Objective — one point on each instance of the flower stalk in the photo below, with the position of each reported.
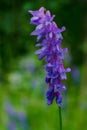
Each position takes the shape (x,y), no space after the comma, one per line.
(60,118)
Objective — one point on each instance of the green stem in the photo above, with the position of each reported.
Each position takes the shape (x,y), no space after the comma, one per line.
(60,118)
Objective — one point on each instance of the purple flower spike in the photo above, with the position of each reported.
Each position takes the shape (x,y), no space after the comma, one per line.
(50,38)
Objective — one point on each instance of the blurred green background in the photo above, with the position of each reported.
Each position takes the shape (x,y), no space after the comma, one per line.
(22,79)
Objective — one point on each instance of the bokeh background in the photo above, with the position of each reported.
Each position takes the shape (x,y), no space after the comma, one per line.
(22,86)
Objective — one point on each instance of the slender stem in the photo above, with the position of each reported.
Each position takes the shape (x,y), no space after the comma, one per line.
(60,118)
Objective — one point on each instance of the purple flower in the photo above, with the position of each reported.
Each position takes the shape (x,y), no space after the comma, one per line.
(16,117)
(39,17)
(75,73)
(11,126)
(50,38)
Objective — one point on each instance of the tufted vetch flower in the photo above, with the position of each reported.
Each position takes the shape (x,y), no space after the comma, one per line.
(49,38)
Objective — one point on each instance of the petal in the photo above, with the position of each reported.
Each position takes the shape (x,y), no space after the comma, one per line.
(47,79)
(38,51)
(68,70)
(59,36)
(37,45)
(40,26)
(49,102)
(63,29)
(63,75)
(42,55)
(49,92)
(48,13)
(65,50)
(36,32)
(34,13)
(59,100)
(50,35)
(34,21)
(63,88)
(42,9)
(34,18)
(39,38)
